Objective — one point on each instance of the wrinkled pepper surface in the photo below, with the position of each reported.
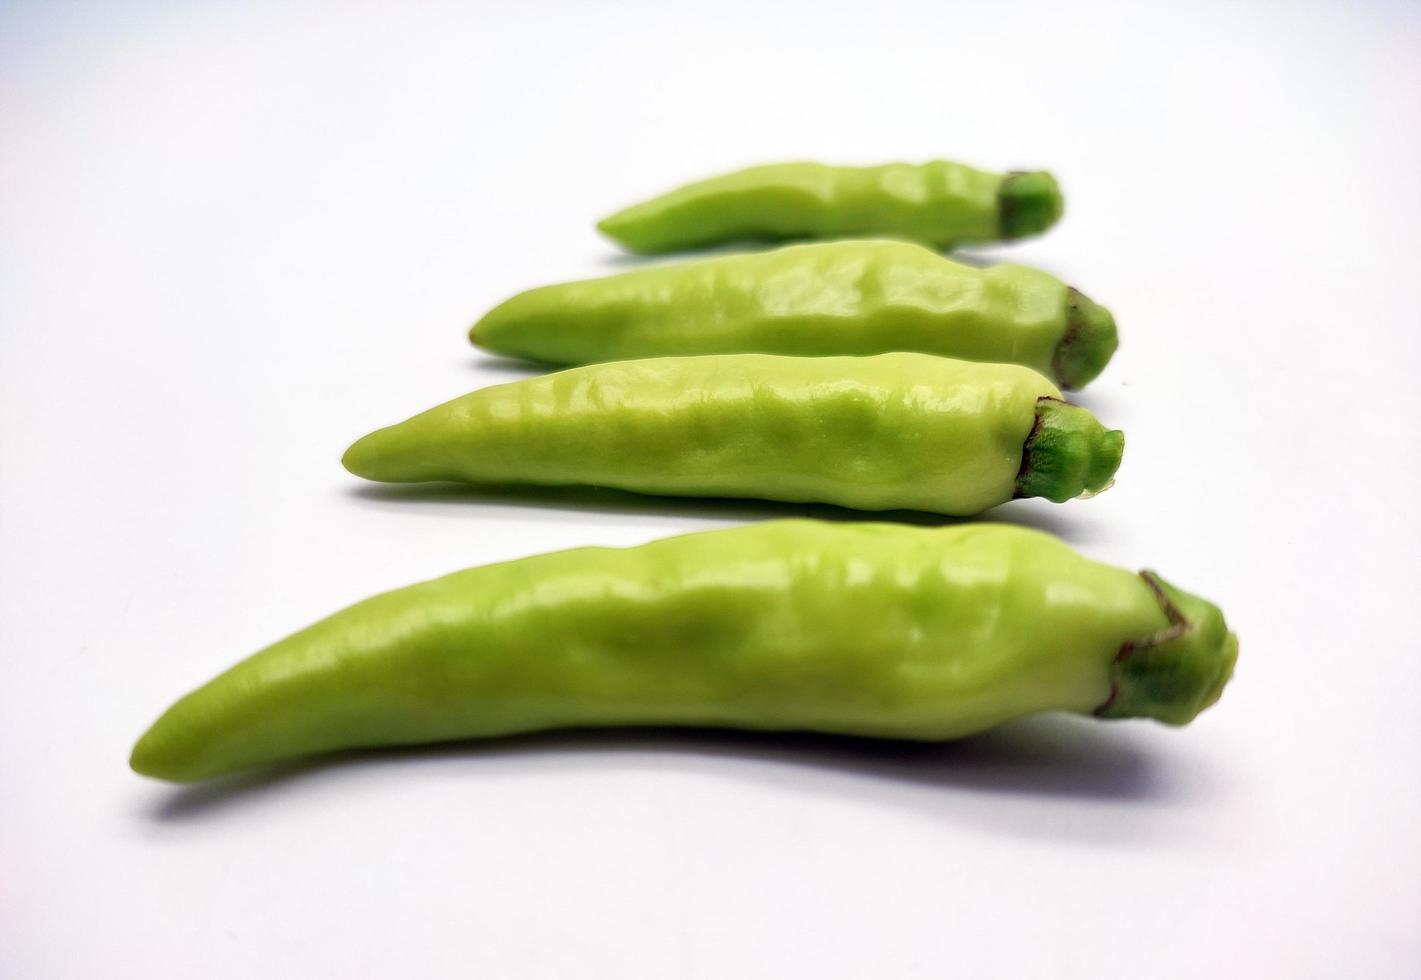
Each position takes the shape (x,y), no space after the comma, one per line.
(849,298)
(893,431)
(938,203)
(865,629)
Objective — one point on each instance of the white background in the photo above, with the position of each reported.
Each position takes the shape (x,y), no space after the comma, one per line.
(235,237)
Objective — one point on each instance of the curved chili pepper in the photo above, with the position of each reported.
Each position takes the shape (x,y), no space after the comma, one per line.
(829,298)
(875,433)
(865,629)
(940,203)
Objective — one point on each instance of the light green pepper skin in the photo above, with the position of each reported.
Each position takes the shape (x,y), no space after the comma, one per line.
(847,298)
(864,629)
(874,433)
(939,203)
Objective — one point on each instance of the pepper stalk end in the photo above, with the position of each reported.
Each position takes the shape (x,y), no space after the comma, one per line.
(1028,202)
(1068,453)
(1177,673)
(1088,344)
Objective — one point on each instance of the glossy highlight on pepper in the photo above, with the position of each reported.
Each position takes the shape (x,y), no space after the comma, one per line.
(895,431)
(939,203)
(830,298)
(864,629)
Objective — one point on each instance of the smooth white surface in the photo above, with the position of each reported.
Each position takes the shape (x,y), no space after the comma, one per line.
(235,237)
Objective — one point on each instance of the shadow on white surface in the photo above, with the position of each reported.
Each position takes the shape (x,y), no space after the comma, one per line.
(626,262)
(1052,776)
(451,497)
(619,261)
(1107,402)
(513,367)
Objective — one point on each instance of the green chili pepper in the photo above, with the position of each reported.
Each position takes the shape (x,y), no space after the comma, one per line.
(943,204)
(865,629)
(831,298)
(875,433)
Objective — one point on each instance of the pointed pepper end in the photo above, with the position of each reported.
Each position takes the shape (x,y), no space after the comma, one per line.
(152,756)
(625,228)
(363,457)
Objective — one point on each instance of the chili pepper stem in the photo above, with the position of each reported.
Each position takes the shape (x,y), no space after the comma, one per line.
(1029,203)
(1178,672)
(1088,344)
(1068,453)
